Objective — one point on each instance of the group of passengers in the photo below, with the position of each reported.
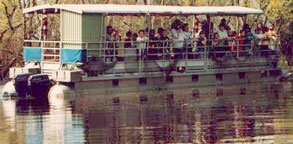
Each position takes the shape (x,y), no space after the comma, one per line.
(226,41)
(210,43)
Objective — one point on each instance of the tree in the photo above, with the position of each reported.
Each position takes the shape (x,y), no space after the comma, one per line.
(10,32)
(280,13)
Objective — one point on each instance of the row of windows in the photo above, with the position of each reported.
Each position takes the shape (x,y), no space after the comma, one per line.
(170,96)
(195,78)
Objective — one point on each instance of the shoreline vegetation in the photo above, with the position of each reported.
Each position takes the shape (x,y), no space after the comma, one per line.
(12,24)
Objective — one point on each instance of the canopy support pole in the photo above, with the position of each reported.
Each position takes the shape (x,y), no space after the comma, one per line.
(209,42)
(193,26)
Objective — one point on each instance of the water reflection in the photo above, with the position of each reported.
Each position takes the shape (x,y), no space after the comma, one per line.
(254,113)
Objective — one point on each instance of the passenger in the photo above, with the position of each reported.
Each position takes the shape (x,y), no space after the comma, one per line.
(216,38)
(246,28)
(215,44)
(117,51)
(178,41)
(240,40)
(247,39)
(207,28)
(110,44)
(152,35)
(109,31)
(248,42)
(232,36)
(153,45)
(163,41)
(273,40)
(142,42)
(265,41)
(201,44)
(257,32)
(135,43)
(222,45)
(224,22)
(259,28)
(196,27)
(223,35)
(128,40)
(116,35)
(130,53)
(187,40)
(146,32)
(229,42)
(134,37)
(178,38)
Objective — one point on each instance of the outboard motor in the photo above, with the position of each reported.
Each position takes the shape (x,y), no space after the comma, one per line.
(20,83)
(39,85)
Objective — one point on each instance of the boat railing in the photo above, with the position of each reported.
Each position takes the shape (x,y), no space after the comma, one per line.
(233,53)
(156,56)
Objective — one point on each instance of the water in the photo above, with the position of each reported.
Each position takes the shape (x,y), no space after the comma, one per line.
(254,113)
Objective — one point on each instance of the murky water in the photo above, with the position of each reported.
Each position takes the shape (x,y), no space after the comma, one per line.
(254,113)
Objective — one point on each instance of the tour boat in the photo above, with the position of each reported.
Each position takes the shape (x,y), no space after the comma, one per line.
(80,61)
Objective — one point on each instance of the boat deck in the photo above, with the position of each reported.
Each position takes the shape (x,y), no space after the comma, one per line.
(158,68)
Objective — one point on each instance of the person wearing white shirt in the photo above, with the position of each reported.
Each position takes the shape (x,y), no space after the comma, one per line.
(223,32)
(223,36)
(141,41)
(178,42)
(178,38)
(188,40)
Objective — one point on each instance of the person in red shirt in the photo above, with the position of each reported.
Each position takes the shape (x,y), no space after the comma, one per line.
(240,40)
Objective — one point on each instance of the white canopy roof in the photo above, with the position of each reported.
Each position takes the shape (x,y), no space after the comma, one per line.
(141,9)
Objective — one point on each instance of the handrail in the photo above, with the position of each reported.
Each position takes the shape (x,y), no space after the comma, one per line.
(168,42)
(163,52)
(54,41)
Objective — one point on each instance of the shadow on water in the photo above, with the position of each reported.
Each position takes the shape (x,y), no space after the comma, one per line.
(39,92)
(32,105)
(247,115)
(224,114)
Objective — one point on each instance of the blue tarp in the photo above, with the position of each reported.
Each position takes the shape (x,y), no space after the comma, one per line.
(32,54)
(73,55)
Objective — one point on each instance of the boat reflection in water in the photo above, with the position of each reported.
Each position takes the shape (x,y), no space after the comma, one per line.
(254,113)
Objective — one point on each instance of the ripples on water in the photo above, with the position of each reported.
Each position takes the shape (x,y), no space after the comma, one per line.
(254,113)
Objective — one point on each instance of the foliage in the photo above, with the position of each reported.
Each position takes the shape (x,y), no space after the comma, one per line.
(10,30)
(280,9)
(280,13)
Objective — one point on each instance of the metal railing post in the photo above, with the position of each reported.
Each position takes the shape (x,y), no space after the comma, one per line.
(206,58)
(60,47)
(186,55)
(237,53)
(87,50)
(140,60)
(163,52)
